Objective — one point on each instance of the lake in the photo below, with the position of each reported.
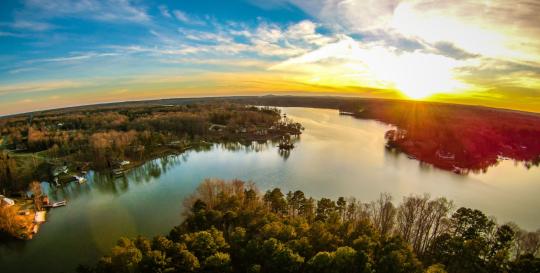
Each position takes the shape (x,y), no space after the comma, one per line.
(335,156)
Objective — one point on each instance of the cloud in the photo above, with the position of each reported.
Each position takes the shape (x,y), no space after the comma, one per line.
(164,11)
(32,25)
(38,86)
(188,19)
(11,34)
(500,29)
(450,50)
(35,14)
(265,40)
(349,62)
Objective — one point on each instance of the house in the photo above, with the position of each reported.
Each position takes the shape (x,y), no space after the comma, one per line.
(445,155)
(4,201)
(217,127)
(125,162)
(240,130)
(59,170)
(261,132)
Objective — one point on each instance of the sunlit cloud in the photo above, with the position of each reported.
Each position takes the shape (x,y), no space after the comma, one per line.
(465,51)
(352,63)
(37,87)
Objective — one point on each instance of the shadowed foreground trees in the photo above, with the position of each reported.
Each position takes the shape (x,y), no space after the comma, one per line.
(230,227)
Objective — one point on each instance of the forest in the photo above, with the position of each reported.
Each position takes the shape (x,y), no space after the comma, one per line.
(33,145)
(459,138)
(229,226)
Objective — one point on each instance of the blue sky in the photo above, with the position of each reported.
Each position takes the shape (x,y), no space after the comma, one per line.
(63,52)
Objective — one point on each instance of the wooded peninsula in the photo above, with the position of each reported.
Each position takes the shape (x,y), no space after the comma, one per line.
(60,146)
(230,227)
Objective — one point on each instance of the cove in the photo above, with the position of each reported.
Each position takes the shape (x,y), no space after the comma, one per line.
(335,156)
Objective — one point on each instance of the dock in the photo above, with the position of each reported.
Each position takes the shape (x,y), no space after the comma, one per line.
(40,217)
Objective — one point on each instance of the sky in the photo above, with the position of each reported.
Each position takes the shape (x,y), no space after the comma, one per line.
(65,53)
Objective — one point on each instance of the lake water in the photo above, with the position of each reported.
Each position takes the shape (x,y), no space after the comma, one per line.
(335,156)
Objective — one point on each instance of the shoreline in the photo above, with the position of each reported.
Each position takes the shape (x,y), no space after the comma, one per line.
(32,225)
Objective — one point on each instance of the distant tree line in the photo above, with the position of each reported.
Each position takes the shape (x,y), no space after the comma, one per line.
(231,227)
(102,137)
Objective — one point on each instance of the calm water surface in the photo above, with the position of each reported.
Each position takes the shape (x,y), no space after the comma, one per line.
(336,156)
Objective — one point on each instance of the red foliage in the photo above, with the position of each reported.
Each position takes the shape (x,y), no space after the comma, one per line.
(457,137)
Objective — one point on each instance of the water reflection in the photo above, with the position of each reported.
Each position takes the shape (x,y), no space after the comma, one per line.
(107,183)
(336,156)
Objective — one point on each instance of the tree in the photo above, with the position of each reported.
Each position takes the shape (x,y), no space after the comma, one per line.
(8,220)
(184,261)
(345,260)
(322,262)
(205,243)
(435,268)
(8,170)
(325,207)
(420,220)
(279,258)
(242,232)
(467,246)
(125,256)
(394,257)
(276,201)
(218,262)
(35,189)
(154,261)
(341,207)
(525,264)
(383,213)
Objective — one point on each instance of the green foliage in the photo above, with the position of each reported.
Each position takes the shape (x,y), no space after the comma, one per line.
(101,137)
(231,228)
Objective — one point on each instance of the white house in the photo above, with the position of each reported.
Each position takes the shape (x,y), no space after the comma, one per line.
(6,201)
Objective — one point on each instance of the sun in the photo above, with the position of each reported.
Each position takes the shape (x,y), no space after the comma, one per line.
(418,90)
(415,92)
(421,78)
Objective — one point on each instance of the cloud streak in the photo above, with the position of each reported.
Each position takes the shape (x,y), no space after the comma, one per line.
(487,50)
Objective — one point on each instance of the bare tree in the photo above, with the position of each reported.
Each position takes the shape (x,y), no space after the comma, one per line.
(35,189)
(526,242)
(383,213)
(420,220)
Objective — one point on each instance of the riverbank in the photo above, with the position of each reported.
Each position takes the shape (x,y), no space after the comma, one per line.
(117,152)
(60,144)
(452,137)
(24,220)
(324,163)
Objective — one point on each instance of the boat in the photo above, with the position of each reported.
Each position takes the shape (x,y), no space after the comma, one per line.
(35,229)
(80,179)
(56,204)
(346,113)
(59,204)
(118,172)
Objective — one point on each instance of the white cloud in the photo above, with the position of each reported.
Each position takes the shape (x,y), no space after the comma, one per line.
(268,40)
(348,62)
(188,19)
(164,11)
(31,25)
(35,14)
(38,86)
(501,29)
